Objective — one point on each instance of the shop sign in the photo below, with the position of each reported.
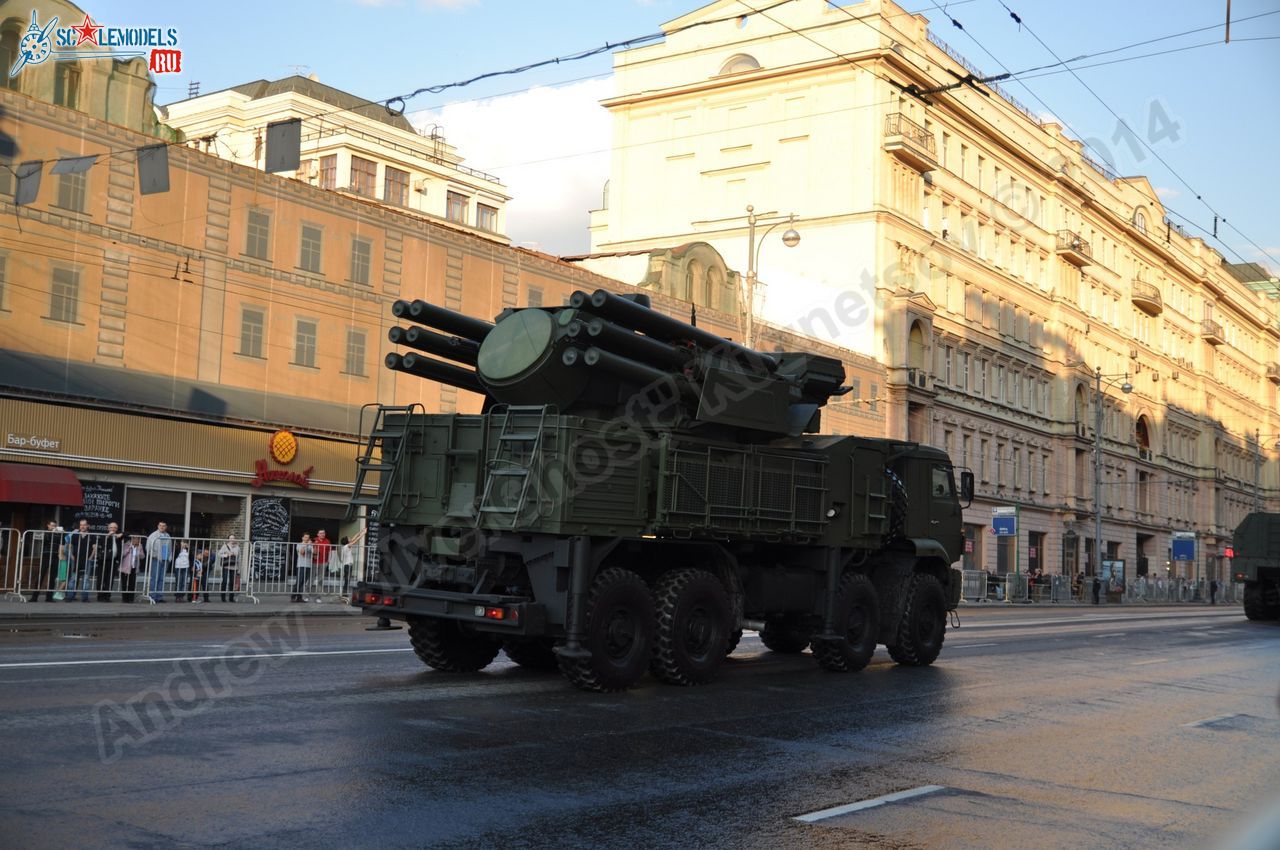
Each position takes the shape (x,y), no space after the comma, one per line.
(283,448)
(1004,521)
(33,441)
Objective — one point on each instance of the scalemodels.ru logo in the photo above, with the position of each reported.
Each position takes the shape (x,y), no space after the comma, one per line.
(50,41)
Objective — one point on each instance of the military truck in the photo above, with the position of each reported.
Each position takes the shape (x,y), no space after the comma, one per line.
(1256,563)
(635,493)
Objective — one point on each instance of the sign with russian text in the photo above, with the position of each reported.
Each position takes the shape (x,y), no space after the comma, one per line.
(1004,521)
(1184,546)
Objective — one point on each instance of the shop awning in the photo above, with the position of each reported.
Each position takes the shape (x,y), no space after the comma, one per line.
(39,485)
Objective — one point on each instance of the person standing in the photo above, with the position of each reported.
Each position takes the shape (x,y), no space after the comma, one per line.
(81,549)
(1213,591)
(345,559)
(323,554)
(229,562)
(305,552)
(182,572)
(133,560)
(159,553)
(47,562)
(110,551)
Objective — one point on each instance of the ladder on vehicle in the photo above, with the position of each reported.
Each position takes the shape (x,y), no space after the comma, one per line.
(389,438)
(505,472)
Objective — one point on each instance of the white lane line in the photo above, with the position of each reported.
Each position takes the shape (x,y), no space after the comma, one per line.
(1152,661)
(1110,635)
(1208,720)
(971,645)
(292,654)
(61,679)
(836,811)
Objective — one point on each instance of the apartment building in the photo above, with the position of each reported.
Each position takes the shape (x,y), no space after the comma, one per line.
(349,145)
(1012,288)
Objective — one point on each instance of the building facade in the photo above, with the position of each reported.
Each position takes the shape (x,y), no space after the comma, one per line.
(1011,287)
(349,145)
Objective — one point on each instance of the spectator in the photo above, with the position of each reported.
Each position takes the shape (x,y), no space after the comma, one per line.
(306,552)
(159,554)
(182,572)
(110,551)
(132,562)
(229,562)
(345,560)
(81,549)
(47,562)
(61,585)
(201,572)
(1213,591)
(1097,589)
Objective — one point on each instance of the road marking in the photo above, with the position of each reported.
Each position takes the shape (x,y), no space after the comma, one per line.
(60,679)
(1152,661)
(1198,723)
(1110,635)
(971,645)
(291,654)
(836,811)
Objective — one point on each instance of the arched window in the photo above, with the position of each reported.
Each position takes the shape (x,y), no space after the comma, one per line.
(715,283)
(915,347)
(1082,406)
(739,63)
(1140,220)
(66,84)
(1142,435)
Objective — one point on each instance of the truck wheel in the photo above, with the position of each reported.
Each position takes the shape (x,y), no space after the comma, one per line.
(536,654)
(857,622)
(449,646)
(1255,603)
(619,634)
(693,613)
(735,637)
(785,636)
(924,623)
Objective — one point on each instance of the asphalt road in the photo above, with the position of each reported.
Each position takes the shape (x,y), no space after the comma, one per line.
(1077,728)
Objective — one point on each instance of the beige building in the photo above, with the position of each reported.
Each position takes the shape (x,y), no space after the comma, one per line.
(349,145)
(977,254)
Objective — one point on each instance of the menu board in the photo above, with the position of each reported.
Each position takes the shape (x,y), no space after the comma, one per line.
(269,532)
(103,504)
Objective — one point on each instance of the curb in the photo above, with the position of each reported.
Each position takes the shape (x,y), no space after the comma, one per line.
(32,611)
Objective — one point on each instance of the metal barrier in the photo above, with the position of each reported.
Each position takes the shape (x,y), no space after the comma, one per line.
(973,585)
(11,564)
(304,571)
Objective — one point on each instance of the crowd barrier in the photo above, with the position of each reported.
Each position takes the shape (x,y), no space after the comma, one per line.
(978,586)
(58,566)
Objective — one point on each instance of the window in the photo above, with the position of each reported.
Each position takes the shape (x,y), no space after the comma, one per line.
(361,251)
(252,325)
(355,352)
(455,208)
(304,343)
(64,300)
(738,64)
(535,296)
(9,55)
(309,259)
(66,84)
(395,186)
(941,481)
(364,176)
(71,191)
(329,171)
(486,217)
(257,238)
(875,397)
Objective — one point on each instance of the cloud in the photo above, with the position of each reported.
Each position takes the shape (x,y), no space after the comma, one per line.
(550,147)
(1167,194)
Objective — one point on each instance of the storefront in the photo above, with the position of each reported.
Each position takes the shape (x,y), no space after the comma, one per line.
(205,480)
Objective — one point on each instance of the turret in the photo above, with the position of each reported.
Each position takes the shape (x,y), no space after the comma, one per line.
(613,356)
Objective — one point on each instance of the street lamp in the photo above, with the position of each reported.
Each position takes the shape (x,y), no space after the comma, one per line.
(790,238)
(1125,388)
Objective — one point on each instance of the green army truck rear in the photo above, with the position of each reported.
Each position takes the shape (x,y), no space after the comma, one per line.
(1256,564)
(636,493)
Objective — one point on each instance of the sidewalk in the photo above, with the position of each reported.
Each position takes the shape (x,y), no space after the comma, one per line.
(330,607)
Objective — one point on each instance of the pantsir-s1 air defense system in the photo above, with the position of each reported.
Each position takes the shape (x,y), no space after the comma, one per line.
(1256,563)
(635,493)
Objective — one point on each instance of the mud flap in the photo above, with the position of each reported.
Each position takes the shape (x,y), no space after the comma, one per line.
(953,588)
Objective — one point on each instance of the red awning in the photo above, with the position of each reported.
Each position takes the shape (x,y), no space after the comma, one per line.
(39,485)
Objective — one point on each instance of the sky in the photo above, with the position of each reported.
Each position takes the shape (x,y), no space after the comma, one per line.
(1209,115)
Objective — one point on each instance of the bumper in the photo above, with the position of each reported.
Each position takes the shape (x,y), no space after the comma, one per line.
(511,615)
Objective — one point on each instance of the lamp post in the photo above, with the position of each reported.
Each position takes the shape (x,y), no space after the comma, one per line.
(790,238)
(1125,388)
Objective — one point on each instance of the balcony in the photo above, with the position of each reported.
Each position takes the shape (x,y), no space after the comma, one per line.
(910,142)
(919,379)
(1273,373)
(1146,297)
(1211,332)
(1073,248)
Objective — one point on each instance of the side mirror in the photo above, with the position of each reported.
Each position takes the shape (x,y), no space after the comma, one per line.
(966,488)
